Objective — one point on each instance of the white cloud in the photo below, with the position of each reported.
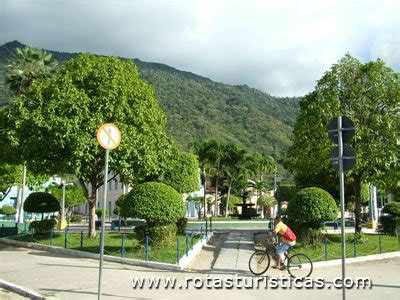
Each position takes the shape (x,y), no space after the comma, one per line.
(280,47)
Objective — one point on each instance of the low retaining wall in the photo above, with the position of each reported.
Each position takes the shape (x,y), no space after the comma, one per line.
(183,262)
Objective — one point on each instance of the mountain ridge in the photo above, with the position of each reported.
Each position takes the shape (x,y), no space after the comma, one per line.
(199,108)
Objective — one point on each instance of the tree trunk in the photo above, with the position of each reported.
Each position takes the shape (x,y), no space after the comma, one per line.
(92,218)
(357,202)
(227,201)
(216,210)
(205,194)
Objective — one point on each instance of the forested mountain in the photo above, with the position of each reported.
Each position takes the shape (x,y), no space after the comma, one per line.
(199,108)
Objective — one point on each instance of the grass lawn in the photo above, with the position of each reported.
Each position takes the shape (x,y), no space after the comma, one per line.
(113,242)
(370,246)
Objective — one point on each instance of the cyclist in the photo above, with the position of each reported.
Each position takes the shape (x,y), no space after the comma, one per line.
(288,240)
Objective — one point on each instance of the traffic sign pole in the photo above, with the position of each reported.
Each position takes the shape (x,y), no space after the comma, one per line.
(341,182)
(102,223)
(109,137)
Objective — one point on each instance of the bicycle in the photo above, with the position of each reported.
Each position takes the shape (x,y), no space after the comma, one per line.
(298,265)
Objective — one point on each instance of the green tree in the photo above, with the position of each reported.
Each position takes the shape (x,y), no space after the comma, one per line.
(157,203)
(29,65)
(230,205)
(55,123)
(183,173)
(308,210)
(369,94)
(7,210)
(74,196)
(236,171)
(263,164)
(202,150)
(266,202)
(40,202)
(11,175)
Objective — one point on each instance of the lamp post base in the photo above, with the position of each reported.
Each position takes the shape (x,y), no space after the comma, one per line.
(372,224)
(62,224)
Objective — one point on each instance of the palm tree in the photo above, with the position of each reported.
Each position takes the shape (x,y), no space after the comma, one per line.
(30,64)
(263,164)
(236,169)
(219,159)
(266,202)
(201,149)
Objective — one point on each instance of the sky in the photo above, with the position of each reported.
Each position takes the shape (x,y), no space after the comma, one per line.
(280,47)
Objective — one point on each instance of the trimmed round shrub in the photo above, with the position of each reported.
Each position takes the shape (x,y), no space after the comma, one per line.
(181,225)
(312,206)
(391,221)
(392,208)
(41,203)
(43,226)
(157,203)
(76,218)
(159,235)
(308,210)
(8,210)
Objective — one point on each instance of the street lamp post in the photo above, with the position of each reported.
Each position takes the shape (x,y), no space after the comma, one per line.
(63,223)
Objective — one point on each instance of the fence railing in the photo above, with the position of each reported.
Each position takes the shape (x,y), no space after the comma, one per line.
(354,246)
(121,244)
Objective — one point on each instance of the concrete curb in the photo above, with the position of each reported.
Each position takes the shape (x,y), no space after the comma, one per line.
(353,260)
(183,262)
(22,290)
(186,260)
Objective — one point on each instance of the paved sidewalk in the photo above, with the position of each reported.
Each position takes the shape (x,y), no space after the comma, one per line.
(76,278)
(235,253)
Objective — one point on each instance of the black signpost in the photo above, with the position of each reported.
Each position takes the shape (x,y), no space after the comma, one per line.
(343,157)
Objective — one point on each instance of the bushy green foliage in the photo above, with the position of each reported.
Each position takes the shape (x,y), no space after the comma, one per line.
(8,210)
(159,235)
(43,226)
(286,192)
(183,173)
(117,210)
(181,225)
(99,212)
(392,208)
(338,93)
(157,203)
(41,202)
(391,221)
(266,200)
(311,207)
(232,201)
(90,90)
(76,218)
(391,225)
(74,195)
(119,205)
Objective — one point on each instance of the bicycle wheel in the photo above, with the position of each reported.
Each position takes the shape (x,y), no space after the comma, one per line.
(300,266)
(259,262)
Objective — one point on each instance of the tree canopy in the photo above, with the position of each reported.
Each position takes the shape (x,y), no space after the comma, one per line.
(56,119)
(369,94)
(183,173)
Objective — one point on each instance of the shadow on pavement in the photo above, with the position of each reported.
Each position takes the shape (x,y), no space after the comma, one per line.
(91,293)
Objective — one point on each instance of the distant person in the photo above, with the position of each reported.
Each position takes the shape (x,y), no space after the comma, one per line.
(288,239)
